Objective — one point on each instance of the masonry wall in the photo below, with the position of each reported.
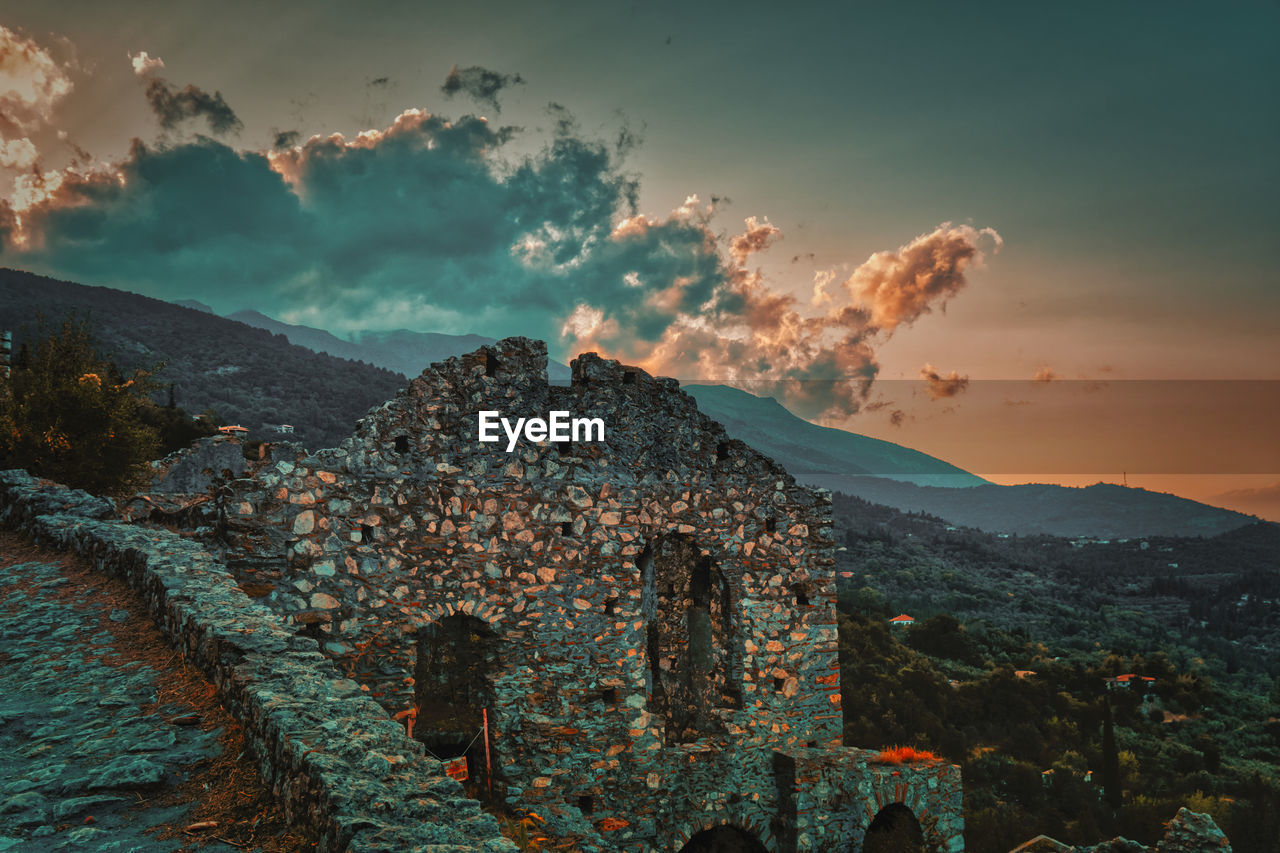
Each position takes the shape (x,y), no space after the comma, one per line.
(663,602)
(332,756)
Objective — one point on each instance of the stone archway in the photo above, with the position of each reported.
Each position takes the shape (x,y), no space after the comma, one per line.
(691,637)
(724,839)
(457,657)
(894,829)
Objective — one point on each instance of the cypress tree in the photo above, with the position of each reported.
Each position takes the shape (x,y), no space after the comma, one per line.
(1110,758)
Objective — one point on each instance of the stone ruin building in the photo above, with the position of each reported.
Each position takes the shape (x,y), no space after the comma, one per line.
(648,622)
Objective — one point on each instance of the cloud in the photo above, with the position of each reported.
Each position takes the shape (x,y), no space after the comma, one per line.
(430,223)
(282,139)
(481,84)
(729,325)
(896,417)
(940,386)
(31,85)
(1045,374)
(18,154)
(756,238)
(144,65)
(174,106)
(901,286)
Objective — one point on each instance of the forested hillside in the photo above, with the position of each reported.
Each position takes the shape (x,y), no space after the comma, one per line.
(247,376)
(1004,672)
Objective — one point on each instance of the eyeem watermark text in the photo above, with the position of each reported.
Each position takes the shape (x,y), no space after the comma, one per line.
(557,426)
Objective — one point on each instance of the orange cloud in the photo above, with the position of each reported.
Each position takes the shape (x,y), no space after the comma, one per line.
(940,386)
(756,238)
(900,286)
(823,362)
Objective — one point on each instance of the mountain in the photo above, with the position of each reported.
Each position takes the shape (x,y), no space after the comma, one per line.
(247,375)
(889,474)
(821,456)
(404,351)
(1100,511)
(194,304)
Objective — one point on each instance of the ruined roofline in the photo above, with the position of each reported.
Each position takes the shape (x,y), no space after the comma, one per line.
(506,371)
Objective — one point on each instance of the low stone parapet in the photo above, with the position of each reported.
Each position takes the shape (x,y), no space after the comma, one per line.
(337,763)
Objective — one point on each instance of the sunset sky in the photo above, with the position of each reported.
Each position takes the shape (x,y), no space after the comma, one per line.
(1072,206)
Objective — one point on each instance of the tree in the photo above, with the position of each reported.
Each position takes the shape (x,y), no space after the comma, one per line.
(1110,758)
(70,415)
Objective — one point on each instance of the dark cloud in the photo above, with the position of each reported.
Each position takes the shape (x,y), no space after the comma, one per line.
(481,84)
(174,106)
(282,139)
(940,386)
(378,82)
(897,416)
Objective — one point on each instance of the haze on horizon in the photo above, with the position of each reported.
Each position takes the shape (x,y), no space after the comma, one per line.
(938,196)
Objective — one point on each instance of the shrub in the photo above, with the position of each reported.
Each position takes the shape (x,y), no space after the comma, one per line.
(904,755)
(68,414)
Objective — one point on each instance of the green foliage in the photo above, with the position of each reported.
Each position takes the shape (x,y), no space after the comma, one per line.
(70,415)
(1037,705)
(249,376)
(943,636)
(1110,759)
(175,428)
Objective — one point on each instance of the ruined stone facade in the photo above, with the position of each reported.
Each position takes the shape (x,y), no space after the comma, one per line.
(647,622)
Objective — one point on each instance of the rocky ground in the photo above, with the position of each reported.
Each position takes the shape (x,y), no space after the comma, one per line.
(108,740)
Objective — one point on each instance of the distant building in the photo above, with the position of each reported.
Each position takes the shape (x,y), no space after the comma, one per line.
(233,429)
(1124,682)
(902,621)
(284,428)
(1023,673)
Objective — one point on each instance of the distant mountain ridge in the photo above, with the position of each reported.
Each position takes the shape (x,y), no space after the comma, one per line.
(404,351)
(892,475)
(1100,511)
(812,453)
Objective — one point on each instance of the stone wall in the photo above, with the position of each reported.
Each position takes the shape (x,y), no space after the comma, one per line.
(332,756)
(652,617)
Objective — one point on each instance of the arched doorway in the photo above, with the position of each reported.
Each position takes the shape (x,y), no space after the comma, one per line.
(453,689)
(724,839)
(690,638)
(894,829)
